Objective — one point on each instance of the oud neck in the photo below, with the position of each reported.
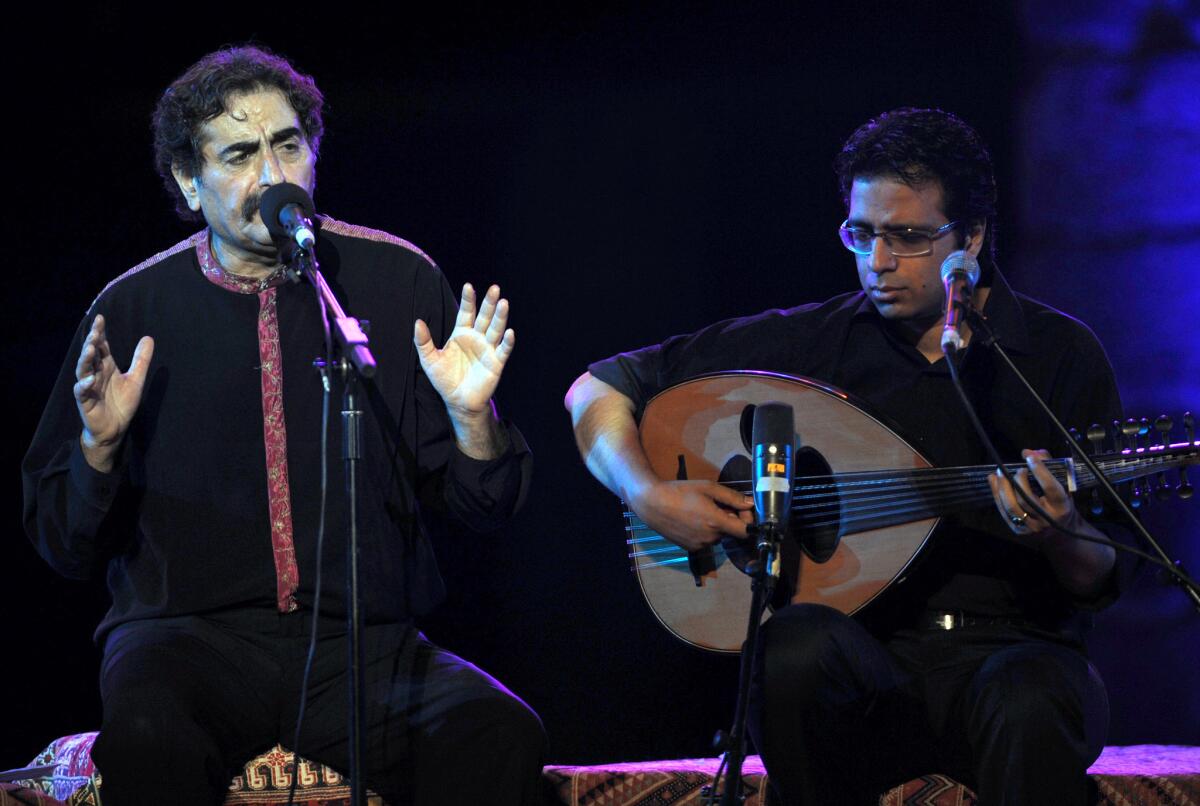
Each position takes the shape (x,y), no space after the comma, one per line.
(862,501)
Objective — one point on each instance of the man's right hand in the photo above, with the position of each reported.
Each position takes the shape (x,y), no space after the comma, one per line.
(106,398)
(694,514)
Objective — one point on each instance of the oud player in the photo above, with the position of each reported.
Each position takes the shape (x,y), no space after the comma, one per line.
(975,666)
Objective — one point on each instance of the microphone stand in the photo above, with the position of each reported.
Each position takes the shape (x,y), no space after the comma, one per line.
(764,572)
(354,362)
(980,324)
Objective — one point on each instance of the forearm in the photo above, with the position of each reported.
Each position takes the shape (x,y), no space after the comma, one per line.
(66,503)
(1083,567)
(607,437)
(479,435)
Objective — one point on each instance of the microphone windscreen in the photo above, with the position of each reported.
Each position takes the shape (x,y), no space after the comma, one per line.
(960,261)
(774,423)
(275,198)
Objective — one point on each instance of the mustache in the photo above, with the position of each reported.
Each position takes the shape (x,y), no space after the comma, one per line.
(251,205)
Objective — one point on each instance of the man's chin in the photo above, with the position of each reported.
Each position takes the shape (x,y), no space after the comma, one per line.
(261,239)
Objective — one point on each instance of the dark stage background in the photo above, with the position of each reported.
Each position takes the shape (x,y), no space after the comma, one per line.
(626,173)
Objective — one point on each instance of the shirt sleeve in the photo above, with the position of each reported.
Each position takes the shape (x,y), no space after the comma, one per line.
(775,340)
(481,493)
(1089,394)
(66,501)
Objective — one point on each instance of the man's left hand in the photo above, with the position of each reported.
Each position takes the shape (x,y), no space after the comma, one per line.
(1082,566)
(1055,500)
(467,369)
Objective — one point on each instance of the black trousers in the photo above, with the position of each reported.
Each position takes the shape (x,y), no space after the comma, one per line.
(189,700)
(839,717)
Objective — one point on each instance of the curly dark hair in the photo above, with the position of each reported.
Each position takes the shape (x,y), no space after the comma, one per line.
(923,146)
(200,94)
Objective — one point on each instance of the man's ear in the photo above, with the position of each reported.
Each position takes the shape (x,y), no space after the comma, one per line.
(975,232)
(188,186)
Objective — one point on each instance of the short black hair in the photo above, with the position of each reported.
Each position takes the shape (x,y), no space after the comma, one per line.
(201,94)
(922,146)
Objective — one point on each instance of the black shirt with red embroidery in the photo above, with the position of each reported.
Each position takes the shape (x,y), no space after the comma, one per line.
(184,523)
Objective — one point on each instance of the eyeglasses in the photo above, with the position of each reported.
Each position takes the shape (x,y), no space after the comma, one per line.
(905,242)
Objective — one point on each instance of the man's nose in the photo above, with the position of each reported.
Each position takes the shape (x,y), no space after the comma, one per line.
(881,256)
(270,173)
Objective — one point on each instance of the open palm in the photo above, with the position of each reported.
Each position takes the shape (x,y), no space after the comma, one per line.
(466,370)
(107,398)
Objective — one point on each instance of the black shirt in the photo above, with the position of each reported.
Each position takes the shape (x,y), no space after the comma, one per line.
(968,565)
(183,524)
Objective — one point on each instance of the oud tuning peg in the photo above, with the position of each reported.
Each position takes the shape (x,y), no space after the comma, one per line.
(1143,444)
(1095,435)
(1130,429)
(1162,424)
(1184,490)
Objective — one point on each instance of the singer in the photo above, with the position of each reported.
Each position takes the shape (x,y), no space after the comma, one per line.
(179,455)
(975,666)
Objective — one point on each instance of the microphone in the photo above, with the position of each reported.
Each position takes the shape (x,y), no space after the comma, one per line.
(960,273)
(287,211)
(773,439)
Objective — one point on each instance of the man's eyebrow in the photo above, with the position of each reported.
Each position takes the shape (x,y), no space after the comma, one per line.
(284,134)
(860,224)
(250,146)
(243,147)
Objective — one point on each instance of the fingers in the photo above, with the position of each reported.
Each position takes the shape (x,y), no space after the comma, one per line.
(1013,507)
(498,323)
(492,320)
(506,346)
(89,355)
(729,497)
(1015,516)
(84,391)
(140,365)
(466,307)
(487,309)
(423,340)
(1054,492)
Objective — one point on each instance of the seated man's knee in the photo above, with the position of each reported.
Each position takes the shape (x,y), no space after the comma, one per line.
(810,643)
(1038,692)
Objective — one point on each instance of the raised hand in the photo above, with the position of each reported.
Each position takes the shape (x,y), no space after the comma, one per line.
(107,398)
(466,370)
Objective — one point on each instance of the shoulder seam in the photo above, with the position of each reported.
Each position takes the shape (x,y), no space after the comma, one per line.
(366,233)
(189,242)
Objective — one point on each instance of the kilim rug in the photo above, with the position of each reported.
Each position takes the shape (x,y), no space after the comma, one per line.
(1142,775)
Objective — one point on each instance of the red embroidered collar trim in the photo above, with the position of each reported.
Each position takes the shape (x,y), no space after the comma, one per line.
(232,282)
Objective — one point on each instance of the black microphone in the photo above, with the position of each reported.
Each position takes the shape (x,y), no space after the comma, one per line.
(287,210)
(773,441)
(960,273)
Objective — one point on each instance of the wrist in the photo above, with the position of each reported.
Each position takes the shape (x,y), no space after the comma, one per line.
(100,456)
(478,434)
(639,489)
